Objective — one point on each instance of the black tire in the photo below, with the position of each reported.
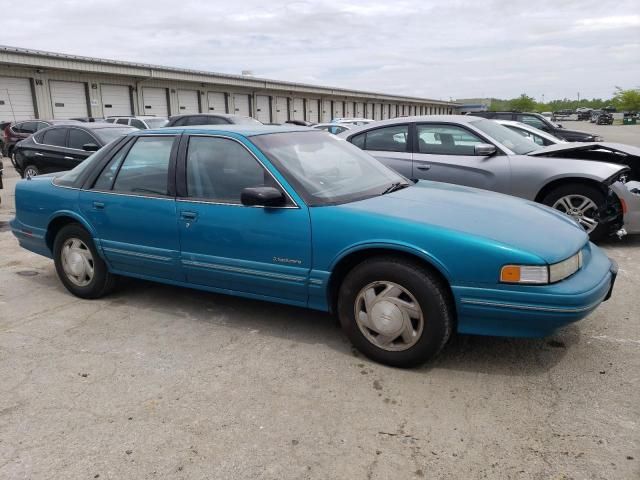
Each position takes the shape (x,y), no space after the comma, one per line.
(30,168)
(102,281)
(592,193)
(427,289)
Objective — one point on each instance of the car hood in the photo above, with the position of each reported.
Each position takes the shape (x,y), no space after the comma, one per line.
(573,147)
(508,221)
(574,133)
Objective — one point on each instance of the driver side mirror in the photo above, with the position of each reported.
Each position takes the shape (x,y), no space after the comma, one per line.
(262,196)
(90,147)
(484,149)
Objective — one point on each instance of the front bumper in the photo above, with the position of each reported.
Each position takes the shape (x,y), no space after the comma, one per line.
(629,195)
(536,311)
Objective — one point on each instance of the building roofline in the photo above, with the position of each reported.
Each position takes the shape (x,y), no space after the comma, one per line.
(155,71)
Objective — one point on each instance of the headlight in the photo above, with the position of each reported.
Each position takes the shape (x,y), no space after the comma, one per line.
(541,275)
(597,139)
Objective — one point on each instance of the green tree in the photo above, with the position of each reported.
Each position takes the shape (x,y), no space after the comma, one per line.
(523,103)
(627,100)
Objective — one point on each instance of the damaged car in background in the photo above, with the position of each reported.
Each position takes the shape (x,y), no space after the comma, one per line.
(481,153)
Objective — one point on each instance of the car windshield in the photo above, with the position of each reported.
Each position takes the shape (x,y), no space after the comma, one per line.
(107,135)
(156,122)
(510,139)
(326,170)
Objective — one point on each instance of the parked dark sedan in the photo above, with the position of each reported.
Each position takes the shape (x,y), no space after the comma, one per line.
(62,147)
(191,119)
(12,133)
(538,121)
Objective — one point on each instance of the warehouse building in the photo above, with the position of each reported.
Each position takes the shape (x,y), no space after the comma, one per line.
(37,84)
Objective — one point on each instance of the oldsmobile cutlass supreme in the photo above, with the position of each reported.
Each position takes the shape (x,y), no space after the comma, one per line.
(297,216)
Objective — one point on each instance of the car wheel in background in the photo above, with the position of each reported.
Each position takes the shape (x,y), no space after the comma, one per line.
(581,202)
(395,311)
(30,171)
(78,265)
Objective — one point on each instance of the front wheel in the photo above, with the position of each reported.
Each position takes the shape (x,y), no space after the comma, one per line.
(581,202)
(30,171)
(395,311)
(78,265)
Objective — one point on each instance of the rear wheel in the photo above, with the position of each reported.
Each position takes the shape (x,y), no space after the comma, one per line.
(395,311)
(581,202)
(78,265)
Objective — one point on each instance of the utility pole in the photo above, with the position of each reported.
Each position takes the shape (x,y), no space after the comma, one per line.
(578,97)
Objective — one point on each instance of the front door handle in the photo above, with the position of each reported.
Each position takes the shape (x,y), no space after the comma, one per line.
(68,158)
(98,205)
(38,154)
(423,167)
(188,215)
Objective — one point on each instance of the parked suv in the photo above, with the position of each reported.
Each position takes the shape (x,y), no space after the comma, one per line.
(13,133)
(143,122)
(538,121)
(191,119)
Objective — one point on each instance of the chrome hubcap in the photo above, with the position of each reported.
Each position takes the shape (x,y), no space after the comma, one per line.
(77,262)
(389,316)
(581,208)
(30,172)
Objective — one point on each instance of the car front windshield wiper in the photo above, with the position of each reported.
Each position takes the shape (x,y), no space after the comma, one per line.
(394,187)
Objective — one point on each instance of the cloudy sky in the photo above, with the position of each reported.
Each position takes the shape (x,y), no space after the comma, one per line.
(445,49)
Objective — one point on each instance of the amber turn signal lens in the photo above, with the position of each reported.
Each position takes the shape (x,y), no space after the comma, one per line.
(510,274)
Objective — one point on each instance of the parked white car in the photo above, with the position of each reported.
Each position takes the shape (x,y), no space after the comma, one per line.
(534,134)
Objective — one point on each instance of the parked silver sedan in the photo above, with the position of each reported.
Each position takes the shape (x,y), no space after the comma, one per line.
(481,153)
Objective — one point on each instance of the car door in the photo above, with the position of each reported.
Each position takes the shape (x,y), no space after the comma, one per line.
(390,145)
(76,140)
(446,153)
(257,251)
(50,152)
(132,209)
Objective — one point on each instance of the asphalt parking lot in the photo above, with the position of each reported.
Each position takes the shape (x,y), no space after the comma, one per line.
(162,382)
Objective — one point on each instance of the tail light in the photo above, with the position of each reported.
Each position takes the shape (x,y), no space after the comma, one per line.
(7,132)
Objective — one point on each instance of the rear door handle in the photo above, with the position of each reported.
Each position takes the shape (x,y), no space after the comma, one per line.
(38,154)
(68,158)
(98,205)
(423,167)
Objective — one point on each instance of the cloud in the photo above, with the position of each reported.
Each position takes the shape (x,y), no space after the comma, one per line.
(458,48)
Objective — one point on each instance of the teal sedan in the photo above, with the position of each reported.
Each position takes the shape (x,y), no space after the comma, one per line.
(297,216)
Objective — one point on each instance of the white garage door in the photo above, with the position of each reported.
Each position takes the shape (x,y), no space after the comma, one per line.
(348,109)
(377,111)
(297,110)
(338,110)
(69,99)
(312,110)
(385,111)
(16,100)
(359,109)
(326,111)
(241,104)
(263,112)
(217,102)
(282,113)
(188,101)
(155,101)
(116,100)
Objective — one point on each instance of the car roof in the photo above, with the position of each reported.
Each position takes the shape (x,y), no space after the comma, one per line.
(92,125)
(225,115)
(422,118)
(243,129)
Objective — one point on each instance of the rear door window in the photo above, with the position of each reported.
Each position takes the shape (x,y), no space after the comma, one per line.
(145,169)
(386,139)
(123,121)
(56,137)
